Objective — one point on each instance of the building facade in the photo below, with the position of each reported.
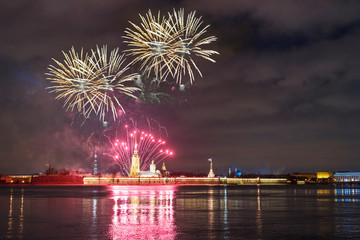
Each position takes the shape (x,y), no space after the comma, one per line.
(343,177)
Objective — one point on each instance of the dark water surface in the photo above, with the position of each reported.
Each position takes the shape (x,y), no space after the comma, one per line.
(180,212)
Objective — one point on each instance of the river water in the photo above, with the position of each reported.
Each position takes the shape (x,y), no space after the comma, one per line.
(180,212)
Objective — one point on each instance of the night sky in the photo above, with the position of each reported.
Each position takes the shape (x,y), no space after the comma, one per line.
(283,95)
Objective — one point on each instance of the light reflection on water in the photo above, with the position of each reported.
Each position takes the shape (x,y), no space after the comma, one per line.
(179,212)
(16,204)
(347,194)
(142,213)
(258,215)
(10,216)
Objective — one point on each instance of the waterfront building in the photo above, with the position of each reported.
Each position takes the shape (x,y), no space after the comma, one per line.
(152,173)
(135,162)
(152,167)
(96,169)
(343,177)
(164,172)
(324,175)
(17,178)
(135,166)
(211,173)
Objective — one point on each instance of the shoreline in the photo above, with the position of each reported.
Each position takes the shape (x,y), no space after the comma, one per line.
(153,181)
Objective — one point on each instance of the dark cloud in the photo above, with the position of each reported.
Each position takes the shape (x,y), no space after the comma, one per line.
(283,95)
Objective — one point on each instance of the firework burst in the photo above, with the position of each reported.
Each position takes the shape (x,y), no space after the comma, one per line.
(148,146)
(89,83)
(190,43)
(152,44)
(167,45)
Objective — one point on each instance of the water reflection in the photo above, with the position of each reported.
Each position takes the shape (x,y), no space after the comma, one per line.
(16,213)
(94,218)
(226,226)
(258,215)
(21,215)
(10,216)
(347,194)
(211,213)
(142,212)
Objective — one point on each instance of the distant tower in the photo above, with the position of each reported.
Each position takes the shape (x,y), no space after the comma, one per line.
(135,162)
(96,170)
(163,171)
(211,173)
(163,167)
(152,167)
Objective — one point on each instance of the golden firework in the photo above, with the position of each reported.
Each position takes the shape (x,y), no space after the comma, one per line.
(152,43)
(191,42)
(90,82)
(167,45)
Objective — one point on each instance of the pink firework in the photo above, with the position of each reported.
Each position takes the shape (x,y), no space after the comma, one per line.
(149,148)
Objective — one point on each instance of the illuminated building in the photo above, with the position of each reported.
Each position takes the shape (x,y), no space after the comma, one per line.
(18,178)
(324,175)
(344,177)
(96,171)
(163,167)
(135,162)
(152,173)
(135,166)
(164,172)
(152,167)
(211,173)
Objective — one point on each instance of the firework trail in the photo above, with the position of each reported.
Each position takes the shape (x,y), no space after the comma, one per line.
(89,83)
(148,146)
(166,45)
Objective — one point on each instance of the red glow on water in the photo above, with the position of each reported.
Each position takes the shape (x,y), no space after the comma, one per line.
(142,212)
